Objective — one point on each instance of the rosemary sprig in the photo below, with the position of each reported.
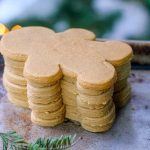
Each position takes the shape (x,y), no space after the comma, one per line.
(12,141)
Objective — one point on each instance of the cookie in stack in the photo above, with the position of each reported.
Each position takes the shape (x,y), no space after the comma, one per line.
(14,82)
(43,98)
(88,105)
(69,95)
(119,55)
(46,104)
(122,90)
(96,108)
(13,79)
(68,74)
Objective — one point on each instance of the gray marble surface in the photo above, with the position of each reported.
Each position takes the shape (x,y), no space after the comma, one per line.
(131,130)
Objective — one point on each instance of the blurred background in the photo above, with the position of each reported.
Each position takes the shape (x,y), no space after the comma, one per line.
(112,19)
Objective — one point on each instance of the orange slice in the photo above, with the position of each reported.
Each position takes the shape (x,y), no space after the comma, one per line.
(3,29)
(16,27)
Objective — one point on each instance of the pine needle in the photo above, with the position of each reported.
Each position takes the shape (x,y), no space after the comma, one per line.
(12,141)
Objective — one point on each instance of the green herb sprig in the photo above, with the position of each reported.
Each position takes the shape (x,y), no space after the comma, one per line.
(12,141)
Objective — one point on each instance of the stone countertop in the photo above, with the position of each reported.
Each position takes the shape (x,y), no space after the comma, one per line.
(130,131)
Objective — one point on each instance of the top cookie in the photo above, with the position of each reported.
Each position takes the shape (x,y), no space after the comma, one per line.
(73,53)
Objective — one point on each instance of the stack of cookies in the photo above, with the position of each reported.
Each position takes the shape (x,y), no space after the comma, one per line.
(94,109)
(13,78)
(122,90)
(14,82)
(46,103)
(69,95)
(120,58)
(67,75)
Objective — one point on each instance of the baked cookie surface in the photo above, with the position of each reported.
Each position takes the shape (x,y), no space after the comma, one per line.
(68,74)
(65,52)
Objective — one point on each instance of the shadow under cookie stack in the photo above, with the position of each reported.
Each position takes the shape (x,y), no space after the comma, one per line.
(87,87)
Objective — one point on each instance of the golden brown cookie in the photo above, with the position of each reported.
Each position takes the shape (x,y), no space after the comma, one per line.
(14,87)
(99,124)
(96,112)
(19,80)
(91,92)
(86,70)
(98,101)
(99,128)
(13,63)
(40,85)
(69,86)
(122,97)
(69,94)
(44,91)
(69,101)
(17,102)
(69,79)
(53,106)
(72,113)
(47,122)
(56,55)
(15,71)
(50,115)
(44,100)
(18,96)
(123,71)
(120,84)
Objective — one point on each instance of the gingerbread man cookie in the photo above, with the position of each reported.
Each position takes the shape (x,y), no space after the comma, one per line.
(83,69)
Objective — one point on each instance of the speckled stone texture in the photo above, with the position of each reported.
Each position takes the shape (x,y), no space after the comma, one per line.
(130,131)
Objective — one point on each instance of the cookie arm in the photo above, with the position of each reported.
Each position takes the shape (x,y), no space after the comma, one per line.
(41,70)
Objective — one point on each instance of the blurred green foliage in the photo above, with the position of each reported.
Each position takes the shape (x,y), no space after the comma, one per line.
(146,35)
(82,14)
(146,3)
(77,13)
